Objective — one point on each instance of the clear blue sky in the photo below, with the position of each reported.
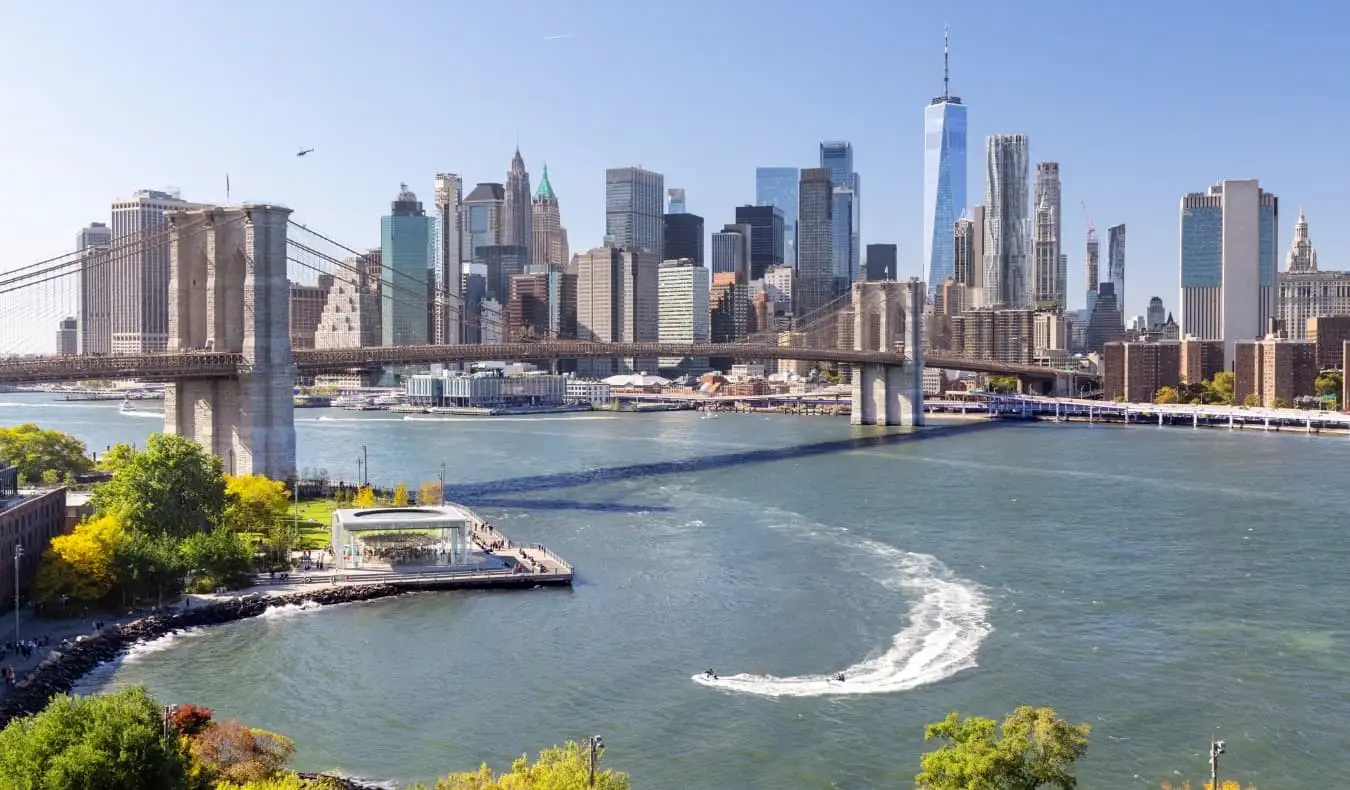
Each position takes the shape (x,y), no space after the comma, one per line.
(1140,102)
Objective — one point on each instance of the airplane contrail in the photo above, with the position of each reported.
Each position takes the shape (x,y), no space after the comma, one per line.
(557,37)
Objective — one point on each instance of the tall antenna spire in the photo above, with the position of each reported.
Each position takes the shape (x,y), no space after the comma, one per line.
(946,74)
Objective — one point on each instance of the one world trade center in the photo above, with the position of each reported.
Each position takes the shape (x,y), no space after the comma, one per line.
(944,179)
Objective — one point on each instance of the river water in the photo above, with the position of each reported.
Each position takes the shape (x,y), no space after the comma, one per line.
(1167,585)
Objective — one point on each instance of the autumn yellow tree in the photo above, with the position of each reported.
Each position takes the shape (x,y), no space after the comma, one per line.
(1224,784)
(254,503)
(235,753)
(559,768)
(80,565)
(1167,395)
(365,497)
(429,493)
(400,495)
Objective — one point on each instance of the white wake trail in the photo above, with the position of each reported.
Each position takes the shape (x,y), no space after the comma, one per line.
(946,626)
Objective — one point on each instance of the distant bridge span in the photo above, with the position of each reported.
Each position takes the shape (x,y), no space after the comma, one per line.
(206,365)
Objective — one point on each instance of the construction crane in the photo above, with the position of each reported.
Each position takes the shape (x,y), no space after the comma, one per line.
(1091,229)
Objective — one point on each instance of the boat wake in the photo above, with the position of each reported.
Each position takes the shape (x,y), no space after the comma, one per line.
(946,626)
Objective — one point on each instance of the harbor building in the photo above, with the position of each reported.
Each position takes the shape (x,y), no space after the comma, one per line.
(487,390)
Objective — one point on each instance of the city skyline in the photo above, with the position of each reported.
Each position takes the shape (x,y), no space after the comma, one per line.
(344,185)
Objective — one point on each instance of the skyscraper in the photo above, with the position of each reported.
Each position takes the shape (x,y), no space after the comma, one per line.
(676,196)
(944,177)
(517,211)
(481,219)
(1092,261)
(683,306)
(140,271)
(682,237)
(1048,270)
(777,186)
(550,237)
(66,337)
(767,238)
(732,248)
(1157,314)
(1115,262)
(1005,236)
(881,259)
(405,252)
(837,156)
(633,215)
(449,197)
(1228,262)
(617,302)
(968,255)
(95,320)
(815,241)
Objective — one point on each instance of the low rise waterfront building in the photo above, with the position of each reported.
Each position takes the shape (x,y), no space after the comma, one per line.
(1273,368)
(1135,371)
(596,393)
(29,518)
(486,390)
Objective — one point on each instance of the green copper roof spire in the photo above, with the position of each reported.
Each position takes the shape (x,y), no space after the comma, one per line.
(545,188)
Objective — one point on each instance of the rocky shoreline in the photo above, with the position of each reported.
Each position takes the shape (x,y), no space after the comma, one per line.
(59,675)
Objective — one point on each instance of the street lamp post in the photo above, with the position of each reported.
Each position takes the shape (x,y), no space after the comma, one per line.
(595,746)
(365,463)
(18,555)
(442,482)
(1216,748)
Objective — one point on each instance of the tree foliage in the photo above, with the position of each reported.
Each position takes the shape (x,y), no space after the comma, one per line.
(231,752)
(254,503)
(429,493)
(1251,399)
(400,495)
(1224,784)
(365,497)
(1223,386)
(81,564)
(109,742)
(116,458)
(1167,395)
(564,767)
(190,720)
(219,558)
(173,488)
(1329,382)
(1003,385)
(1280,403)
(148,566)
(41,454)
(1032,748)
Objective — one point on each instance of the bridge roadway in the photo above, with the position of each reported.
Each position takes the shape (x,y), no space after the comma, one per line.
(211,364)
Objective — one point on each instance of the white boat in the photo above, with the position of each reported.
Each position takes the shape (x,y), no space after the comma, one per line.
(127,407)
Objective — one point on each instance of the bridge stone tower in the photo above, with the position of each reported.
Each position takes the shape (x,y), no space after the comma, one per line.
(228,292)
(888,316)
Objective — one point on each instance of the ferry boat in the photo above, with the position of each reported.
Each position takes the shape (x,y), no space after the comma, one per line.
(127,407)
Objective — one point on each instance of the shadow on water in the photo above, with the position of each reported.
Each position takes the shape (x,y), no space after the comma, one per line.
(481,493)
(558,504)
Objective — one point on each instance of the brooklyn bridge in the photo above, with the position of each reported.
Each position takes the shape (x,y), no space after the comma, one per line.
(228,359)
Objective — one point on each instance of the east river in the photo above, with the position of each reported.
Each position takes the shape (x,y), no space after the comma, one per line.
(1167,585)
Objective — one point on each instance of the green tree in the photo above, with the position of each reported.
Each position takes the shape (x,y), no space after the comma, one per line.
(116,458)
(109,742)
(1003,385)
(148,566)
(400,495)
(1222,387)
(1251,400)
(1033,748)
(81,564)
(1167,395)
(254,503)
(561,768)
(219,558)
(1329,382)
(173,488)
(1280,403)
(35,452)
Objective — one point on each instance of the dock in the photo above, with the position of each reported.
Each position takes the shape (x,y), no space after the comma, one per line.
(500,563)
